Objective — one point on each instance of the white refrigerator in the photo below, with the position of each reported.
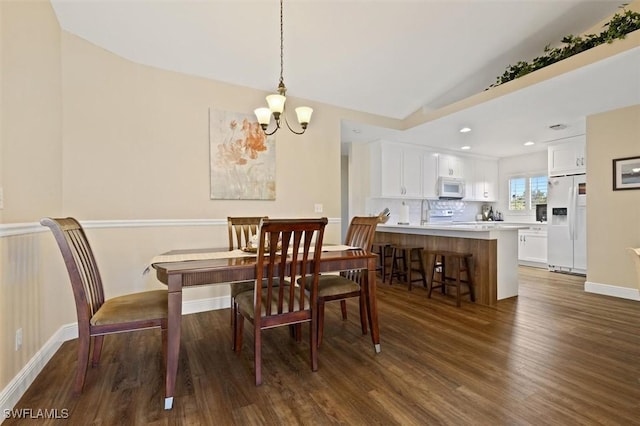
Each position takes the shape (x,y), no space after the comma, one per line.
(567,224)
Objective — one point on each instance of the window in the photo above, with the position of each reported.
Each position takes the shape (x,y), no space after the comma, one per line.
(538,190)
(526,192)
(517,193)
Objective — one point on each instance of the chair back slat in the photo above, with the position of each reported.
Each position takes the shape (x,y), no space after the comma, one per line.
(241,229)
(87,268)
(360,233)
(289,248)
(81,266)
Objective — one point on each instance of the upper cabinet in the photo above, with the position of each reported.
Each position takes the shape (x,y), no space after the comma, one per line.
(482,180)
(396,170)
(450,166)
(568,157)
(400,170)
(430,174)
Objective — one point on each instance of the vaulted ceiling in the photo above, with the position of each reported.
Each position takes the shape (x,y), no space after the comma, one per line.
(386,57)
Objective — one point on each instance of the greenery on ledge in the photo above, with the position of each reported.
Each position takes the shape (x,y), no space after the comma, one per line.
(618,27)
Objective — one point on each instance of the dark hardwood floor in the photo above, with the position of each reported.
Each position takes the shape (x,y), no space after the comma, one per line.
(554,355)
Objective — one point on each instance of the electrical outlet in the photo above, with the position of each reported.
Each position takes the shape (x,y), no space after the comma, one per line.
(18,339)
(318,208)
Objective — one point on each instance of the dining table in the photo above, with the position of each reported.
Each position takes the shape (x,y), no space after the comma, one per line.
(196,267)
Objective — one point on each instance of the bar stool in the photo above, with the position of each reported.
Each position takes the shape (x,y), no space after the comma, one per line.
(383,249)
(458,264)
(412,261)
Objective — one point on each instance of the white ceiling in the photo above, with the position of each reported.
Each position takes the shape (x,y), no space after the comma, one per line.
(386,57)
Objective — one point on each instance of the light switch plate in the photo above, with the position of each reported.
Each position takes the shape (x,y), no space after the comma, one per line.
(318,208)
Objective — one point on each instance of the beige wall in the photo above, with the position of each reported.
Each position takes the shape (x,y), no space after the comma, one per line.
(613,217)
(86,133)
(31,111)
(30,174)
(136,143)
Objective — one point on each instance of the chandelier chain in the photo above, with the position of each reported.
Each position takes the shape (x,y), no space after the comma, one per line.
(281,47)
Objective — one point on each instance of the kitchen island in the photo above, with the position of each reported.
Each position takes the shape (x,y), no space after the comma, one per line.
(494,247)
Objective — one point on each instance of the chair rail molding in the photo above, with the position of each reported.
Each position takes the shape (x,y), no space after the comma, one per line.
(9,229)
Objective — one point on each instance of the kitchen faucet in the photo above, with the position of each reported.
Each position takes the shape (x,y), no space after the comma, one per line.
(423,212)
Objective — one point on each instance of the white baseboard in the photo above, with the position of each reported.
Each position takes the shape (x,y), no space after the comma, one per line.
(12,393)
(203,305)
(612,290)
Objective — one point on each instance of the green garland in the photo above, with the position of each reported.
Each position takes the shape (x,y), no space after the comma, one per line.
(617,28)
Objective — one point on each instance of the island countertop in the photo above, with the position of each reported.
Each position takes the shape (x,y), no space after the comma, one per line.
(494,247)
(482,231)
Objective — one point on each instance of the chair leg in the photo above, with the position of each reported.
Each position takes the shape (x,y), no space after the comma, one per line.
(234,323)
(313,341)
(406,266)
(257,354)
(420,261)
(233,312)
(363,313)
(164,342)
(97,350)
(84,342)
(297,328)
(343,308)
(320,325)
(472,292)
(238,331)
(432,266)
(394,265)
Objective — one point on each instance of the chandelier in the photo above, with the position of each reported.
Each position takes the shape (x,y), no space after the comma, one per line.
(276,101)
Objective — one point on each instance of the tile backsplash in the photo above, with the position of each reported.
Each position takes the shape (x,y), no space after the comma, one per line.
(463,211)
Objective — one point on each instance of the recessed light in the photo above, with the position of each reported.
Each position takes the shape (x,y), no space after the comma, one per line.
(529,143)
(465,147)
(465,130)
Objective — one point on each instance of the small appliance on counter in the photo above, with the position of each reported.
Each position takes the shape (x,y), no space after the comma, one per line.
(541,212)
(404,214)
(485,212)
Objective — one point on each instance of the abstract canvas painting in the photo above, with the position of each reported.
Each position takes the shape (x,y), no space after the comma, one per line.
(242,158)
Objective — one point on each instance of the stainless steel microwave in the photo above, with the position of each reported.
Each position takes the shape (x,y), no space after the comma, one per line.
(450,187)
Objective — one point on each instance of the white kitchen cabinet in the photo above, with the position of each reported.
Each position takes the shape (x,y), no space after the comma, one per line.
(450,166)
(396,170)
(482,180)
(532,246)
(430,175)
(568,157)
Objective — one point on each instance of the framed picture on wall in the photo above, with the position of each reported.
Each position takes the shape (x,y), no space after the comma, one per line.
(242,158)
(626,173)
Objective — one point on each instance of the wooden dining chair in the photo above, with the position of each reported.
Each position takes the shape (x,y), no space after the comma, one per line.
(98,317)
(241,229)
(293,248)
(348,284)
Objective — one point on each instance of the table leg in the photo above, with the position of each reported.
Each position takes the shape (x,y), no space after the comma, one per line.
(372,307)
(173,338)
